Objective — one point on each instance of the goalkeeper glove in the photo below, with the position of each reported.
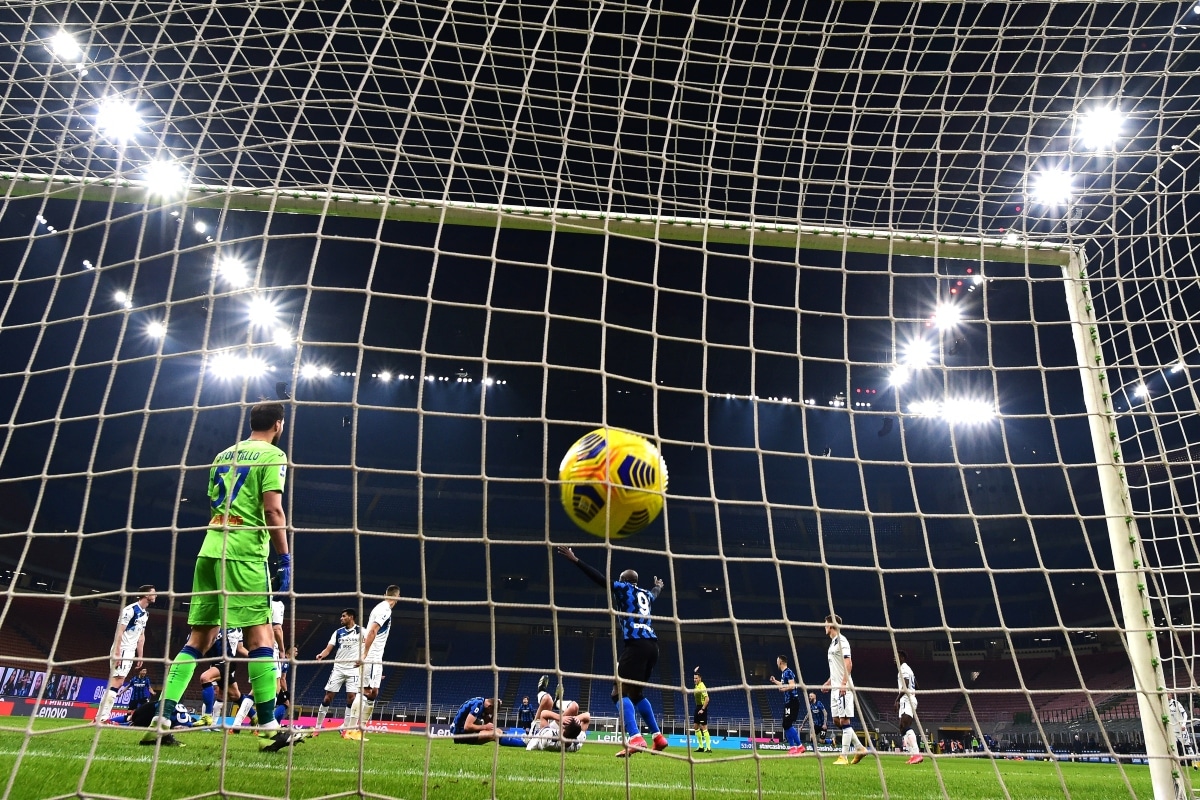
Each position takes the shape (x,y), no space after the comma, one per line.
(284,570)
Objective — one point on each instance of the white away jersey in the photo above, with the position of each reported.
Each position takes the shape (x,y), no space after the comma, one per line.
(133,621)
(276,612)
(906,680)
(381,615)
(839,651)
(349,645)
(233,638)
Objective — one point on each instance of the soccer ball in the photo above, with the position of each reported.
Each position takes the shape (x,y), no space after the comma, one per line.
(612,483)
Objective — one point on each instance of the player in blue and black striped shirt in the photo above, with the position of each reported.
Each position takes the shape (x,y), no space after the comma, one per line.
(632,604)
(791,705)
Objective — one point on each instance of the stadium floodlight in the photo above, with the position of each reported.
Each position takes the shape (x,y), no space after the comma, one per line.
(324,372)
(87,264)
(118,120)
(156,330)
(1100,128)
(947,315)
(200,226)
(232,271)
(1178,366)
(385,376)
(900,375)
(1052,187)
(122,298)
(64,47)
(917,354)
(262,312)
(309,371)
(965,411)
(164,179)
(925,408)
(1141,390)
(231,366)
(282,337)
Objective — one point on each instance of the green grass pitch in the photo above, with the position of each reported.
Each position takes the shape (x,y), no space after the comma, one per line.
(53,761)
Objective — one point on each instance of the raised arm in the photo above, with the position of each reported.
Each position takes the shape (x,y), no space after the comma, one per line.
(593,573)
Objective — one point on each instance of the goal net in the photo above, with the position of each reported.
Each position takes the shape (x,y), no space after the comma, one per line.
(904,294)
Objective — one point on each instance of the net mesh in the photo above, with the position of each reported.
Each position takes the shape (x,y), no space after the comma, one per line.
(815,252)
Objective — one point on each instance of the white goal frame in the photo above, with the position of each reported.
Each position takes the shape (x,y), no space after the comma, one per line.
(1129,557)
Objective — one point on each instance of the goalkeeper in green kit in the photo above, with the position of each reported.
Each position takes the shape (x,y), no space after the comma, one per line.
(231,586)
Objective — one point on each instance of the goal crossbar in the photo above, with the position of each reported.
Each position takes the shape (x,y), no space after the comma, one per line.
(646,226)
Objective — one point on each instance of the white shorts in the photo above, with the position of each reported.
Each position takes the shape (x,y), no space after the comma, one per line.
(841,706)
(908,708)
(124,663)
(343,674)
(372,674)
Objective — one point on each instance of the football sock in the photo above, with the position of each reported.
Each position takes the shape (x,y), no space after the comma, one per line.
(647,711)
(209,695)
(629,717)
(366,709)
(218,709)
(243,710)
(280,712)
(793,737)
(106,704)
(706,740)
(321,712)
(352,713)
(178,677)
(262,682)
(848,738)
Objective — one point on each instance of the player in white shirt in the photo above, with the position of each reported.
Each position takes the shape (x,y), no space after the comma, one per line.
(567,730)
(1181,733)
(128,644)
(348,640)
(841,691)
(906,706)
(277,629)
(379,626)
(221,678)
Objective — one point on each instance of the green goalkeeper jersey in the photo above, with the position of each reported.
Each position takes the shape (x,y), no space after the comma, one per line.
(236,483)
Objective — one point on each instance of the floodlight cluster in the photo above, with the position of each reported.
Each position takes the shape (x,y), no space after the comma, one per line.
(120,123)
(1098,130)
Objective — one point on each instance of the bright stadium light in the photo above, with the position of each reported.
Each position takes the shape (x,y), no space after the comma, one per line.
(964,411)
(900,375)
(385,376)
(1141,390)
(262,312)
(164,179)
(1052,187)
(324,372)
(200,226)
(1100,128)
(917,354)
(231,366)
(309,371)
(947,315)
(64,47)
(118,120)
(925,408)
(156,330)
(123,298)
(232,271)
(282,337)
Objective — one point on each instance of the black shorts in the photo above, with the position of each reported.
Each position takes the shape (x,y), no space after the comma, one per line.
(791,710)
(228,673)
(636,663)
(469,738)
(700,717)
